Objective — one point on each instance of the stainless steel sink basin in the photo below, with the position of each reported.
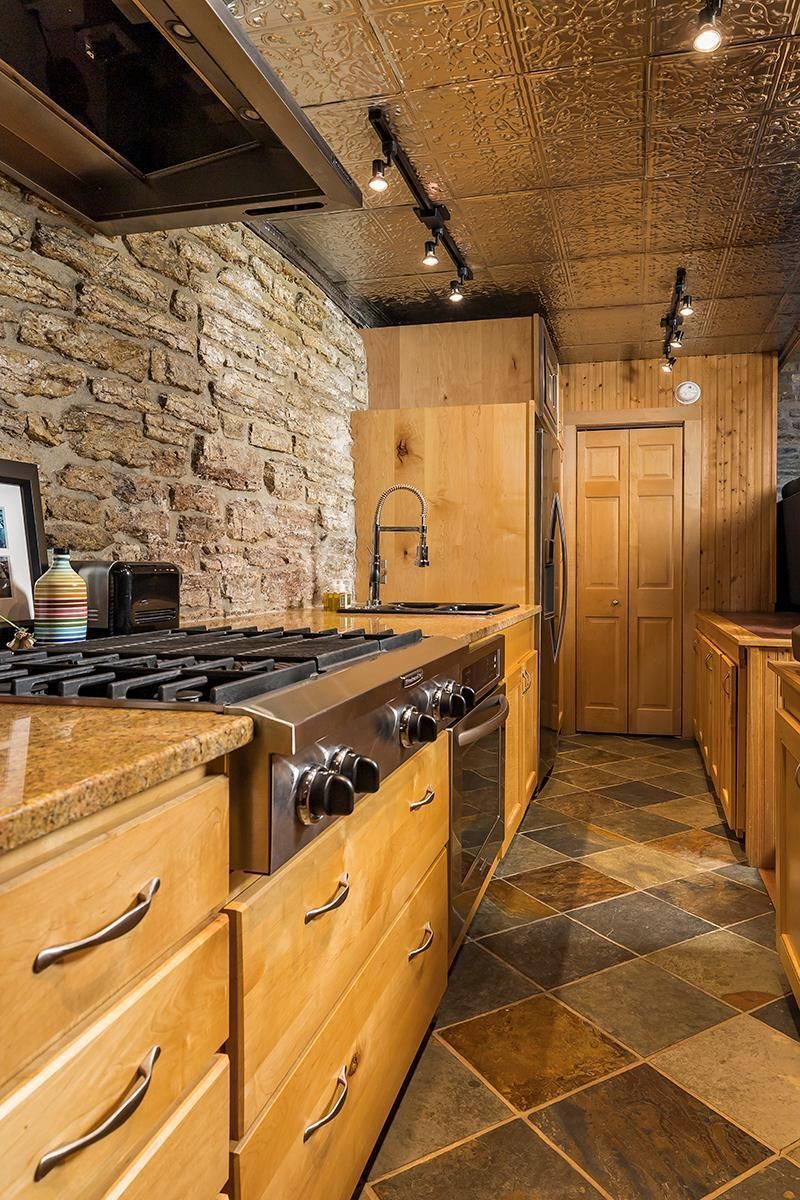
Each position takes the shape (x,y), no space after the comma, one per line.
(412,608)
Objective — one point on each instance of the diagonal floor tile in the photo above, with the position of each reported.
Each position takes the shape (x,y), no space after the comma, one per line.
(644,1007)
(575,839)
(758,929)
(672,743)
(588,756)
(569,885)
(689,759)
(554,786)
(639,768)
(641,1137)
(641,922)
(540,816)
(442,1103)
(505,906)
(526,855)
(777,1181)
(748,876)
(699,810)
(584,806)
(638,865)
(783,1015)
(685,783)
(588,779)
(637,824)
(701,849)
(478,983)
(535,1051)
(748,1072)
(555,951)
(731,968)
(714,897)
(638,792)
(509,1163)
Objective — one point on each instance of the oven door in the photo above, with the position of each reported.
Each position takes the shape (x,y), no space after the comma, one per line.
(477,763)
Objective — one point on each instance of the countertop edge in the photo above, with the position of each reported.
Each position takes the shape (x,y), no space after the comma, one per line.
(737,633)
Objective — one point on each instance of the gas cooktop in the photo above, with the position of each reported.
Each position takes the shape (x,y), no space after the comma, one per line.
(219,667)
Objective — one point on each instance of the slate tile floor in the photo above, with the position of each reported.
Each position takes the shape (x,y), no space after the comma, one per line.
(617,1024)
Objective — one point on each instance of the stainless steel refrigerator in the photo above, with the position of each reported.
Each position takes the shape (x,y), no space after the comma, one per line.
(552,581)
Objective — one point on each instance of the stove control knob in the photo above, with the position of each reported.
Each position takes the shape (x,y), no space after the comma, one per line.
(416,726)
(324,793)
(449,703)
(363,773)
(468,695)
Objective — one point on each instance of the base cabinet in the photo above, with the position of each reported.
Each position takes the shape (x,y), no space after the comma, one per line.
(716,724)
(787,847)
(522,741)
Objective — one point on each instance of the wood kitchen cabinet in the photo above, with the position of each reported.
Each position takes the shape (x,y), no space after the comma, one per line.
(522,728)
(787,827)
(715,723)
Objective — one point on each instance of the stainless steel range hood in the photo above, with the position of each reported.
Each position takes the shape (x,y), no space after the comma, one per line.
(154,114)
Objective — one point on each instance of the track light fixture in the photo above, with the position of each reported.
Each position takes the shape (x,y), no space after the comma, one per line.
(686,309)
(680,306)
(433,216)
(379,182)
(431,258)
(668,364)
(708,37)
(676,340)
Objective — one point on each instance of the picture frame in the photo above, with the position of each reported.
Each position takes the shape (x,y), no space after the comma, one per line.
(23,549)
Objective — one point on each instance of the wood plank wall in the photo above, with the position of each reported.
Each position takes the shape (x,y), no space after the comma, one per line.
(739,432)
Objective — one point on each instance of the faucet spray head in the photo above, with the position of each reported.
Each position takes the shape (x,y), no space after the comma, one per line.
(422,559)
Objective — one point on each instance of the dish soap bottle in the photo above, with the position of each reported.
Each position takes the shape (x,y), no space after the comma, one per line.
(60,603)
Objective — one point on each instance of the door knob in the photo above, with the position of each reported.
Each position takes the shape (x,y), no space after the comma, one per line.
(615,603)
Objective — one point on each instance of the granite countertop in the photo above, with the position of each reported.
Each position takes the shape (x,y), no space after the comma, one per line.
(464,630)
(754,629)
(59,763)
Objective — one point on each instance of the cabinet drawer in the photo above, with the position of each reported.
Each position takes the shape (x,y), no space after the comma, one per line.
(370,1041)
(182,844)
(187,1157)
(289,967)
(181,1007)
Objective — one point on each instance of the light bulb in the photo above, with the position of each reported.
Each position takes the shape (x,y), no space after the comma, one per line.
(456,293)
(667,365)
(431,258)
(676,340)
(686,309)
(708,38)
(378,181)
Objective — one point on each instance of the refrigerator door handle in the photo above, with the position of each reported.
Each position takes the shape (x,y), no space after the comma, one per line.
(564,576)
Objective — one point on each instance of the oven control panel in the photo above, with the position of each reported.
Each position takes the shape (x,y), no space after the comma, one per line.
(483,673)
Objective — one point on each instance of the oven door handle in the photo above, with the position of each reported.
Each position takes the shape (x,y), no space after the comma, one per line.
(469,736)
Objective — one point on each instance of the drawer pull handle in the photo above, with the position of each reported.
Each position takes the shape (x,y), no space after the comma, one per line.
(342,892)
(427,942)
(335,1108)
(427,799)
(727,680)
(709,657)
(797,775)
(126,1109)
(118,928)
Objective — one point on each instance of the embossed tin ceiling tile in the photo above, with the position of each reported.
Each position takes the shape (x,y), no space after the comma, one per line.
(602,155)
(731,344)
(610,352)
(328,61)
(407,289)
(487,170)
(787,93)
(605,281)
(760,269)
(702,268)
(741,315)
(407,235)
(447,42)
(615,324)
(689,149)
(346,245)
(521,282)
(742,21)
(345,127)
(790,304)
(771,209)
(256,15)
(613,238)
(780,141)
(731,83)
(600,205)
(577,99)
(483,113)
(510,229)
(558,33)
(696,212)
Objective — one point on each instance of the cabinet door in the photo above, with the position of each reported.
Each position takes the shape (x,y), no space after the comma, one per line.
(715,717)
(787,848)
(726,735)
(705,693)
(514,802)
(530,725)
(697,715)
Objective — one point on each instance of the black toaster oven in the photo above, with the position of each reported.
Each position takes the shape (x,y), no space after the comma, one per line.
(131,597)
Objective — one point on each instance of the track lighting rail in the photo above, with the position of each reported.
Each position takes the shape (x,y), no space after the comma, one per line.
(680,307)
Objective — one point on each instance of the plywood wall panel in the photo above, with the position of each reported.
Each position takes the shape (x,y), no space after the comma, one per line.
(739,431)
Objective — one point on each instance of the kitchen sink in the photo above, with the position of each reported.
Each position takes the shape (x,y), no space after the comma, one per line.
(434,608)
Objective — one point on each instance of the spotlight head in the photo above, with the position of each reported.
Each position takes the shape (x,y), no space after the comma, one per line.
(686,308)
(676,339)
(708,37)
(456,293)
(378,181)
(431,258)
(667,365)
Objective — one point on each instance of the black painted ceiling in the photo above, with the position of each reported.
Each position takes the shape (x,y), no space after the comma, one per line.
(583,149)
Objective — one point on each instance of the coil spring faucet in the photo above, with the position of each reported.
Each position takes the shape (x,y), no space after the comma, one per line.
(377,572)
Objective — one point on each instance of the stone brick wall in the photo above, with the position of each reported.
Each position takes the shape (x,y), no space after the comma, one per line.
(187,396)
(789,421)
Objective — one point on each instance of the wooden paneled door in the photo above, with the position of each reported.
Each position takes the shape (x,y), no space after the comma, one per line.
(629,580)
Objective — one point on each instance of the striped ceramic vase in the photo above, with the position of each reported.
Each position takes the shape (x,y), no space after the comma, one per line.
(60,603)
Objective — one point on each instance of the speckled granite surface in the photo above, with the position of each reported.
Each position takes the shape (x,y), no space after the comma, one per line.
(61,763)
